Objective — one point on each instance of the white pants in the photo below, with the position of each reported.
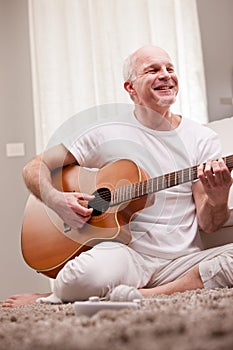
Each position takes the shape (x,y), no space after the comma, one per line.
(109,264)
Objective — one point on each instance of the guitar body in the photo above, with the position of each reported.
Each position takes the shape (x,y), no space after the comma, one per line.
(46,246)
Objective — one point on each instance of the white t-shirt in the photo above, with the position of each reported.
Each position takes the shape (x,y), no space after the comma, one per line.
(168,229)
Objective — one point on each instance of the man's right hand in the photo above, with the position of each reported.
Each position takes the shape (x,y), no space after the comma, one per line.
(72,207)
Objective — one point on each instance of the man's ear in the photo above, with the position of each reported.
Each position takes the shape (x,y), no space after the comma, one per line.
(128,85)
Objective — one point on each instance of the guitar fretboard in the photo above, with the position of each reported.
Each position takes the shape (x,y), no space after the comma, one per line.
(125,193)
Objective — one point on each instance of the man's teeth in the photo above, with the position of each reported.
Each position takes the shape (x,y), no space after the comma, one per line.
(163,88)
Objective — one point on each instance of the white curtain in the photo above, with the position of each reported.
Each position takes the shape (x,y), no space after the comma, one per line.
(78,46)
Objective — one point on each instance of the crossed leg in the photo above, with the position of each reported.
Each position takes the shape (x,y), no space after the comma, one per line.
(190,281)
(214,268)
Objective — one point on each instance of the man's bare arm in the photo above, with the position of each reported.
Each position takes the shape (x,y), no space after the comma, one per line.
(37,172)
(211,195)
(37,176)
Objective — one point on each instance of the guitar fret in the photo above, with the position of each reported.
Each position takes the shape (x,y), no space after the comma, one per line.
(159,183)
(150,186)
(146,187)
(143,188)
(135,190)
(194,173)
(176,178)
(163,181)
(119,194)
(122,194)
(169,180)
(130,192)
(138,189)
(172,179)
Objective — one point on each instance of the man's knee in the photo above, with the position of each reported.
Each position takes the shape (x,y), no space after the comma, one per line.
(218,271)
(81,278)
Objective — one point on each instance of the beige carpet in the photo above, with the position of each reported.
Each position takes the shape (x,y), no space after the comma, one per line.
(200,320)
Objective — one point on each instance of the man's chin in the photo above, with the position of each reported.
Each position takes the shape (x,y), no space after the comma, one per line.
(166,102)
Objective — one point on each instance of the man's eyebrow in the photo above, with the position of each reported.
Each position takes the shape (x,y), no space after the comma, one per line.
(151,65)
(169,64)
(154,65)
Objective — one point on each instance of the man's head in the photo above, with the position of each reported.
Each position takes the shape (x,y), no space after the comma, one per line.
(150,78)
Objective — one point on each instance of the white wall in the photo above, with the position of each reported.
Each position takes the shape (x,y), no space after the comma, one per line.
(216,22)
(16,115)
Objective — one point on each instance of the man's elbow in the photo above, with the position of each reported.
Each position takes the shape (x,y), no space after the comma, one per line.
(30,168)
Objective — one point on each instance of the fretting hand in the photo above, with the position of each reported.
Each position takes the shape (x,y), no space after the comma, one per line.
(216,180)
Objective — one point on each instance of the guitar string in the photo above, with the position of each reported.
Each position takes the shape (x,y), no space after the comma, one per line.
(167,178)
(139,186)
(170,178)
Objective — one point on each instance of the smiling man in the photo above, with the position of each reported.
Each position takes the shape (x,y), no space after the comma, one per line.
(165,254)
(142,85)
(154,85)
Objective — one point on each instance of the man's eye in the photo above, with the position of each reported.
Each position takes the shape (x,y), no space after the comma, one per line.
(151,71)
(170,70)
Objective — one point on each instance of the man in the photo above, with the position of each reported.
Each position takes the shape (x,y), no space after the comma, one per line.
(165,254)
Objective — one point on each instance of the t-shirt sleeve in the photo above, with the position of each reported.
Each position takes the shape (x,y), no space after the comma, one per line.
(75,147)
(81,146)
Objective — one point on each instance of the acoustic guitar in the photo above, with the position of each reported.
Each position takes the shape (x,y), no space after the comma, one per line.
(121,189)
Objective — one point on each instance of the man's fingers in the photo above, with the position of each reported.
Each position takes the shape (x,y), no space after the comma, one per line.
(210,171)
(201,174)
(226,174)
(81,208)
(80,203)
(84,196)
(214,172)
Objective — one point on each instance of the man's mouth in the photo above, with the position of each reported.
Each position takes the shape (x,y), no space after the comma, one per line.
(163,87)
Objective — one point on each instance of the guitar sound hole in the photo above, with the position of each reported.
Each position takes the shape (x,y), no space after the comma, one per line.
(100,203)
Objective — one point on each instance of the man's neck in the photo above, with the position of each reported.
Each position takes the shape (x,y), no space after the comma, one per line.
(162,121)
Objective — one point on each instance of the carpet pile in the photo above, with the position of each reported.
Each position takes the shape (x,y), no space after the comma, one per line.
(193,320)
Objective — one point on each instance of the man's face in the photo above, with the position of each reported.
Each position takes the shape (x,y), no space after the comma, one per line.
(156,84)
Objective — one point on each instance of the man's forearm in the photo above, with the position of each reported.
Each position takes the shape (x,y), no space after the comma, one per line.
(211,194)
(211,217)
(37,177)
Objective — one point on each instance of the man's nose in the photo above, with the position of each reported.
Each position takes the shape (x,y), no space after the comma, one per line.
(164,74)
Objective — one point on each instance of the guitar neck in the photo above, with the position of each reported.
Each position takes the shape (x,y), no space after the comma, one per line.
(125,193)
